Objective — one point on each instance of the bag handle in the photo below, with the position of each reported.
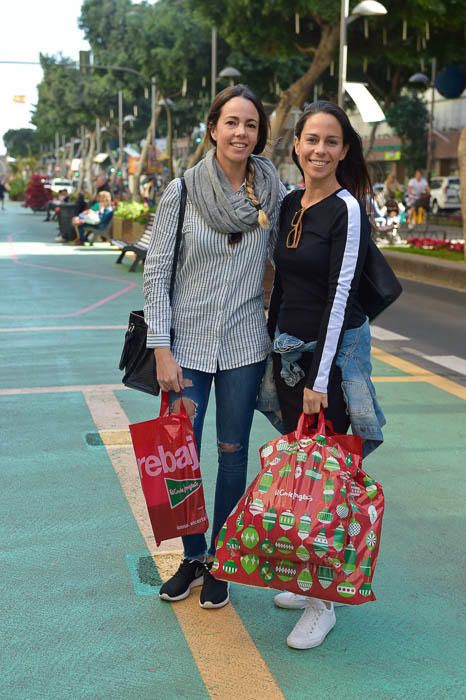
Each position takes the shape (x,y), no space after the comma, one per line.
(165,406)
(178,236)
(306,422)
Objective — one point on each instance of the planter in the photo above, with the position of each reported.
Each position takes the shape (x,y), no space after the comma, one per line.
(443,273)
(126,230)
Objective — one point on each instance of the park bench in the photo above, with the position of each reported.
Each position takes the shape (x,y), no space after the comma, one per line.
(139,248)
(102,231)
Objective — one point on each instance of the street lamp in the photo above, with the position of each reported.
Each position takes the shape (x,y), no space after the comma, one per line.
(366,8)
(424,80)
(230,73)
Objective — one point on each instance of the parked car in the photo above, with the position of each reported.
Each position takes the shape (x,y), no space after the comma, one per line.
(444,193)
(60,183)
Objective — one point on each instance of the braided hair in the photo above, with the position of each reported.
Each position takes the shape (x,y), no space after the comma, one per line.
(262,218)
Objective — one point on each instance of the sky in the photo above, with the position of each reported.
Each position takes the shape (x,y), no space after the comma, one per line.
(27,28)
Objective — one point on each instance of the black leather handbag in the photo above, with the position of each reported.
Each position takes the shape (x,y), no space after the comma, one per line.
(138,361)
(379,287)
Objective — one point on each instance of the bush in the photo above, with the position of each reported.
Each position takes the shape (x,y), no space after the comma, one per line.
(17,188)
(133,211)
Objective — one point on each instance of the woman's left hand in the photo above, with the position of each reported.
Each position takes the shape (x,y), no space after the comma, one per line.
(313,400)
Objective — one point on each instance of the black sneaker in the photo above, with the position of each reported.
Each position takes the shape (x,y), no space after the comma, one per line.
(214,593)
(189,575)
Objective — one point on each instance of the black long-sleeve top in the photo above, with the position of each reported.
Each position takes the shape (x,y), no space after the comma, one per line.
(315,294)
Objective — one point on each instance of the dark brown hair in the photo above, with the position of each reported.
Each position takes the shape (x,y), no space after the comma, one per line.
(239,91)
(352,171)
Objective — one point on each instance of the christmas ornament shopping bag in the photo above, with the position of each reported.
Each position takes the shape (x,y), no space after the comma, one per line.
(350,582)
(297,508)
(168,464)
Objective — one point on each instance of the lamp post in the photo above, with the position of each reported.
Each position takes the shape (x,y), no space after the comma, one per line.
(230,73)
(424,80)
(366,8)
(213,64)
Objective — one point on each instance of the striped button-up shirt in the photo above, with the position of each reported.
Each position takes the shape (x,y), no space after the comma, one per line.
(217,310)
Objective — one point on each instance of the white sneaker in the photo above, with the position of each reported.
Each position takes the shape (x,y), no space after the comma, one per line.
(293,601)
(313,626)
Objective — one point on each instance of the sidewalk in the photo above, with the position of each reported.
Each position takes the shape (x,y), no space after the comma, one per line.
(81,572)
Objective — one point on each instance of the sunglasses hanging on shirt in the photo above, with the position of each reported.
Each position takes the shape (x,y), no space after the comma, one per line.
(234,238)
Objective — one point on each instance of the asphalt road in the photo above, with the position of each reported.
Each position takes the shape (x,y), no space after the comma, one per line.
(429,327)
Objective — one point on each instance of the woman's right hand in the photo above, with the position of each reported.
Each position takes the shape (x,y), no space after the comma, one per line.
(169,373)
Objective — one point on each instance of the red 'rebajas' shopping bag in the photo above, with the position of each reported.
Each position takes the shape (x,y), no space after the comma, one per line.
(168,464)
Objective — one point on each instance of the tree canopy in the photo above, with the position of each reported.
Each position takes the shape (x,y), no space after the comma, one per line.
(287,52)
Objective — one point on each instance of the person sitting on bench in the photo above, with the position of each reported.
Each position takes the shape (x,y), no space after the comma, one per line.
(50,207)
(97,218)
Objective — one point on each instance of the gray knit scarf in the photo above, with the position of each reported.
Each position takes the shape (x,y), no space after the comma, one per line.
(210,191)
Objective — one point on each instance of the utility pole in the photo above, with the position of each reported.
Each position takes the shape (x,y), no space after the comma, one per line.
(97,134)
(120,123)
(153,108)
(430,133)
(213,65)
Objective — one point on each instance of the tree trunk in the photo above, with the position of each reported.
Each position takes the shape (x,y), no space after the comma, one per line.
(82,156)
(298,92)
(89,163)
(462,165)
(198,153)
(144,154)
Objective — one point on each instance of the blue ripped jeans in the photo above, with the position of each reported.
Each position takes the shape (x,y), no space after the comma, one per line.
(235,395)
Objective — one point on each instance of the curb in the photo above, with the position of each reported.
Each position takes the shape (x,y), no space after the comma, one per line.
(443,273)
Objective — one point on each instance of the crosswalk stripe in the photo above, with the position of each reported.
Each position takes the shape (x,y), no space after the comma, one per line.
(453,362)
(382,334)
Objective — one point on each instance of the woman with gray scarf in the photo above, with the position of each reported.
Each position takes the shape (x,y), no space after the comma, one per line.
(216,313)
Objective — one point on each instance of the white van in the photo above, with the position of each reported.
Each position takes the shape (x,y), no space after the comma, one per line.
(60,183)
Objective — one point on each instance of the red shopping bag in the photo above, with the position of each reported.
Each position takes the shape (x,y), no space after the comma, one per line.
(299,507)
(277,560)
(168,464)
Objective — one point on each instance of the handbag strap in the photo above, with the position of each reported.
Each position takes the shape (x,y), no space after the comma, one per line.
(178,235)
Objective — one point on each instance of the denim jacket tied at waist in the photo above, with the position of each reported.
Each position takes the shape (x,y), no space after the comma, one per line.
(353,359)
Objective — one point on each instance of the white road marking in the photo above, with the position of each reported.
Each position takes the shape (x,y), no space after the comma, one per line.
(61,328)
(382,334)
(91,388)
(456,364)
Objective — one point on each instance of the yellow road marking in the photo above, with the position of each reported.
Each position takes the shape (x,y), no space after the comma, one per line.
(205,631)
(429,377)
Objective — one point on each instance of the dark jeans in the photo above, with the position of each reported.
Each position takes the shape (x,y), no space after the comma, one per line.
(291,398)
(235,395)
(84,228)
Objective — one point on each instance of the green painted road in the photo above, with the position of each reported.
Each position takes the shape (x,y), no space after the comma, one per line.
(80,613)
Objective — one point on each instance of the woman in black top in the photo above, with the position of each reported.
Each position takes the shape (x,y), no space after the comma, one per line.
(323,238)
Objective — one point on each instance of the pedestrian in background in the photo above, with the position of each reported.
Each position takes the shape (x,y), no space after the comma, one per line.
(392,189)
(3,189)
(217,313)
(315,310)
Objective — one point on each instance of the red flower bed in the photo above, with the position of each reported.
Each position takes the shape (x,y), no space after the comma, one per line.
(435,244)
